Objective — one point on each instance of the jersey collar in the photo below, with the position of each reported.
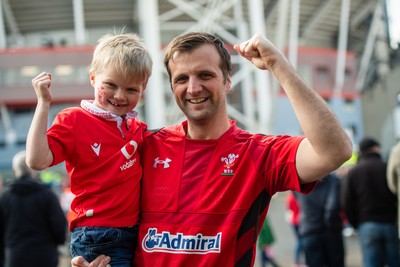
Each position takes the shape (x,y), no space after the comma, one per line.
(95,110)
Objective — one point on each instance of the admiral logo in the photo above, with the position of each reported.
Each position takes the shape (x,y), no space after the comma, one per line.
(164,163)
(180,243)
(229,163)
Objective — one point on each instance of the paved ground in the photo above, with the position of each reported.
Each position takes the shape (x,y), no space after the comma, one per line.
(285,239)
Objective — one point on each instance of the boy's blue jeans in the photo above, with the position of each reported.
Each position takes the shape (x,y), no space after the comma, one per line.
(118,243)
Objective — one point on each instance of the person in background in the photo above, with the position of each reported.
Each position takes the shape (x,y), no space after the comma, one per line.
(99,143)
(1,183)
(207,184)
(266,239)
(32,223)
(341,172)
(66,197)
(293,217)
(392,175)
(321,224)
(371,208)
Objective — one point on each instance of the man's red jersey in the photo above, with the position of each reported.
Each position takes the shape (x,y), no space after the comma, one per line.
(103,163)
(204,201)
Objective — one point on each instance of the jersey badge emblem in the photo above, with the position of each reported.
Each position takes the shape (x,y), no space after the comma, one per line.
(229,162)
(96,148)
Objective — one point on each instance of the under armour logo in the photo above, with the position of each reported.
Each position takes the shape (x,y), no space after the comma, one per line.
(163,162)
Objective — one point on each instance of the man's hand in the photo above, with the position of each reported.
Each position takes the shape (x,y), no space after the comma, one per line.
(261,52)
(100,261)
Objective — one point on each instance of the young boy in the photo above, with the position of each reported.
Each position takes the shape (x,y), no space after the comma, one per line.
(98,142)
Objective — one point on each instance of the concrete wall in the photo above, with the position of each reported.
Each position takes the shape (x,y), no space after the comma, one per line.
(378,104)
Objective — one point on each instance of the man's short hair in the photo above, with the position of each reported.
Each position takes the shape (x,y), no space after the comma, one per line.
(367,143)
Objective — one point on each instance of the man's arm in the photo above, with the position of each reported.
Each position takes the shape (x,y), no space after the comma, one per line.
(38,153)
(326,146)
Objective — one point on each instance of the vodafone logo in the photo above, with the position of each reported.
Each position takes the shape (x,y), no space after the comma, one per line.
(129,149)
(127,165)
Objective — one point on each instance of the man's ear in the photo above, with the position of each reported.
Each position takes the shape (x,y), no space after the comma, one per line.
(228,84)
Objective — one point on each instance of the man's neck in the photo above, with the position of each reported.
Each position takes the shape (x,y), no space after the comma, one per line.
(206,130)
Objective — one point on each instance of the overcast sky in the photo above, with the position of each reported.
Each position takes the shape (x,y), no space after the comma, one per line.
(394,20)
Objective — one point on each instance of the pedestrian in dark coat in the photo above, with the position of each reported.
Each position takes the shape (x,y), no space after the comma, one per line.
(321,224)
(32,223)
(371,207)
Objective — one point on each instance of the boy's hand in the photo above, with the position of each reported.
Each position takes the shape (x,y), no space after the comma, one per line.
(42,84)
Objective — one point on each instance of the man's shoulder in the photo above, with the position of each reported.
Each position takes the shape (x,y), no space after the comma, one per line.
(164,132)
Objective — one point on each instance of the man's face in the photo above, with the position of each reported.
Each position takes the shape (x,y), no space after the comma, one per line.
(115,93)
(198,83)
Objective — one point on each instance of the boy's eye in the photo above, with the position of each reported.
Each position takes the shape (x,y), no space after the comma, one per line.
(133,90)
(110,85)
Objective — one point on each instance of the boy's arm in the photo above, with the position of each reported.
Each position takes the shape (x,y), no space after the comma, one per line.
(38,153)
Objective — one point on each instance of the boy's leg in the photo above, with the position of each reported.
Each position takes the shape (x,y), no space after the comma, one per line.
(118,243)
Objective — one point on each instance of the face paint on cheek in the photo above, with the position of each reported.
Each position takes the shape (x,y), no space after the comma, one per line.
(101,95)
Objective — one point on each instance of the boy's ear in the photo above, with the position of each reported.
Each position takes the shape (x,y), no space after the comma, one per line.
(144,85)
(92,78)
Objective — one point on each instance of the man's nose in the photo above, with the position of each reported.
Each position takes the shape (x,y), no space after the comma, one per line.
(193,86)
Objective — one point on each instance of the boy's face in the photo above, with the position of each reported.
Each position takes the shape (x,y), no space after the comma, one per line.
(115,93)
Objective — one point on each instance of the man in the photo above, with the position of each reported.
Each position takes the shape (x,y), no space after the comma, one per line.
(207,184)
(321,224)
(32,223)
(371,208)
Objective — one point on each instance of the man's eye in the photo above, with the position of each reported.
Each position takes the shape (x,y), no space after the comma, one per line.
(181,80)
(205,76)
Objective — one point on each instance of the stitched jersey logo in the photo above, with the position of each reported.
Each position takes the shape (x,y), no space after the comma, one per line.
(180,243)
(96,148)
(229,163)
(158,161)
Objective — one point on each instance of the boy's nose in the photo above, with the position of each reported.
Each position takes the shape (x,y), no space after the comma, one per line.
(119,94)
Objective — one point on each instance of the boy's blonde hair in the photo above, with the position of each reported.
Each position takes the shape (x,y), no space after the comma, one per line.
(124,52)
